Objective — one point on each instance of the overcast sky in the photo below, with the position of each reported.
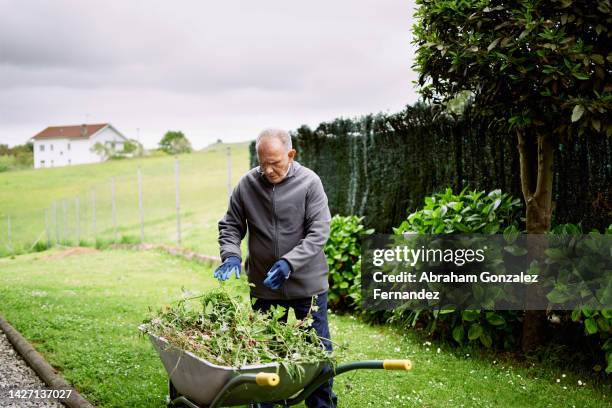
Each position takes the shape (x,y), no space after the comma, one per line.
(224,69)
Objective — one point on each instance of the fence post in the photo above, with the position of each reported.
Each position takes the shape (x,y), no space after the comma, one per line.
(93,214)
(78,220)
(47,228)
(8,228)
(178,202)
(229,171)
(57,241)
(140,206)
(64,220)
(114,209)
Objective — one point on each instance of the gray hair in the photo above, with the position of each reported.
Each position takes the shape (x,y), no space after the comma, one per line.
(280,134)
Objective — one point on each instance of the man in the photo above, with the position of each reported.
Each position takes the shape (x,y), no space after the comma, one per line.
(283,207)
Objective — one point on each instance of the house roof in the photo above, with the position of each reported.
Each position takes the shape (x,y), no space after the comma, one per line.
(72,132)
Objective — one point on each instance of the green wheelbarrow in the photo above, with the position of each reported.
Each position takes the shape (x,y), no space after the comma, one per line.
(197,383)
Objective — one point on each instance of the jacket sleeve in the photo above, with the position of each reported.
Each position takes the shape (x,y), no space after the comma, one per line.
(232,227)
(317,219)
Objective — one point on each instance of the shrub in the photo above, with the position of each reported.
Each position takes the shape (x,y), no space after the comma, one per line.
(466,212)
(16,161)
(597,323)
(343,251)
(6,163)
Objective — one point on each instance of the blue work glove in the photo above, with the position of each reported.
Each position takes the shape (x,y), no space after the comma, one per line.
(231,265)
(277,275)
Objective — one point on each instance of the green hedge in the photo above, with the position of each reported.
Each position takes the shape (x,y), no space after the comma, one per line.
(382,166)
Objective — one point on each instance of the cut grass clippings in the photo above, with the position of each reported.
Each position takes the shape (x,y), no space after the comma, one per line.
(226,331)
(82,312)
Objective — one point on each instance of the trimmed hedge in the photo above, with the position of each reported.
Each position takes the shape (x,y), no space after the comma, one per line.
(382,166)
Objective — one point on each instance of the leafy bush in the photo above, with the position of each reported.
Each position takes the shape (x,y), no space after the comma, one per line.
(6,163)
(343,251)
(597,323)
(16,161)
(593,322)
(466,212)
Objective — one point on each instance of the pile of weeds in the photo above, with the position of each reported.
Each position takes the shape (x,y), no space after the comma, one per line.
(226,331)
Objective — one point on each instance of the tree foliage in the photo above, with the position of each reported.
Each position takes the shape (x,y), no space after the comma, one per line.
(542,65)
(130,148)
(16,157)
(175,142)
(133,148)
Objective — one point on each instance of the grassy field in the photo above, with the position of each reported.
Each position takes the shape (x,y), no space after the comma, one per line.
(81,310)
(203,189)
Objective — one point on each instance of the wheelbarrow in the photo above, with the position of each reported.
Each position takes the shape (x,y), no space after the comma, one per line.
(197,383)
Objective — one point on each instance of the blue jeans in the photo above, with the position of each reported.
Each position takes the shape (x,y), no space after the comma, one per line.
(322,397)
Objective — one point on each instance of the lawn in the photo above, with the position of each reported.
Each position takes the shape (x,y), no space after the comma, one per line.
(81,312)
(203,191)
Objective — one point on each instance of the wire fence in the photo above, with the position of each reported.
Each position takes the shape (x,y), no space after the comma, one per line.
(176,202)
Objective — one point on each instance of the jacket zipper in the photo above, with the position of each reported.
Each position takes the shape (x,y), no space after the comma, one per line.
(275,226)
(276,251)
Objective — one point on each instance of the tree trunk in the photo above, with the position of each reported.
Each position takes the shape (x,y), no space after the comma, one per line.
(536,163)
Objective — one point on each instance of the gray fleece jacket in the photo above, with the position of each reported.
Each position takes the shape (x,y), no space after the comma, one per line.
(288,220)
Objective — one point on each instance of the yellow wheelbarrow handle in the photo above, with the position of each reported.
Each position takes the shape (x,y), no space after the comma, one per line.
(267,379)
(397,365)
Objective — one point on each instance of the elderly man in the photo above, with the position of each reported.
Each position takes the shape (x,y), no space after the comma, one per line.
(283,207)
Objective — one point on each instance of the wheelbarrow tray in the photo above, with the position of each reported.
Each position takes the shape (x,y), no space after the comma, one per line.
(201,381)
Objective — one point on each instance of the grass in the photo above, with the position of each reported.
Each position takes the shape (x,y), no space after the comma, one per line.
(203,190)
(82,311)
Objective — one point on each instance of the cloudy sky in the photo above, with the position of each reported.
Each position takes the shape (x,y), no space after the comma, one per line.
(211,69)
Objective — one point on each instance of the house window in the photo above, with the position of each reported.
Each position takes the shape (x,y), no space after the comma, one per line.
(68,145)
(42,148)
(61,152)
(51,163)
(42,163)
(69,161)
(51,147)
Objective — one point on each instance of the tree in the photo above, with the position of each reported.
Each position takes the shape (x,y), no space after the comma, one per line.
(133,148)
(541,68)
(175,142)
(106,150)
(21,156)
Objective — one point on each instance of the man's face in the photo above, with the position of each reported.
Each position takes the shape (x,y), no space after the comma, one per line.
(273,159)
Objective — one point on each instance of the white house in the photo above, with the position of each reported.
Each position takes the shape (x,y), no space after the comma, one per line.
(66,145)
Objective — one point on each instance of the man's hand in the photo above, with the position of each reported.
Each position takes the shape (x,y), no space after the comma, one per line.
(277,275)
(231,265)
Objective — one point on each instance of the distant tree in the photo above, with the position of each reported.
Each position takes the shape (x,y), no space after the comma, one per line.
(104,149)
(20,156)
(132,148)
(175,142)
(219,141)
